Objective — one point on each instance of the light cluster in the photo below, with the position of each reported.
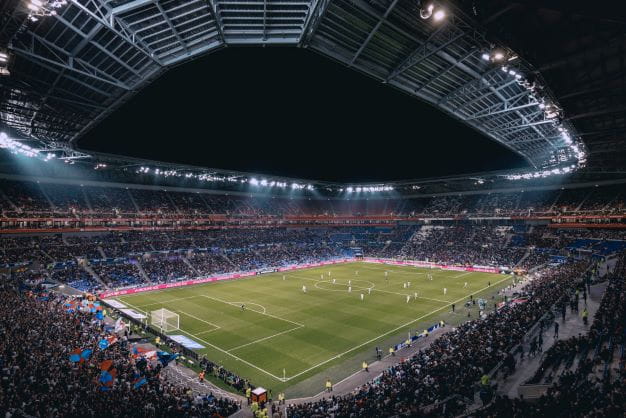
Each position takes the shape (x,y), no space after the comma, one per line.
(504,58)
(281,184)
(4,63)
(19,148)
(42,8)
(540,174)
(369,189)
(208,177)
(429,9)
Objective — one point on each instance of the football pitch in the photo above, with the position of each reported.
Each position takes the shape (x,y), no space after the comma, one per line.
(284,335)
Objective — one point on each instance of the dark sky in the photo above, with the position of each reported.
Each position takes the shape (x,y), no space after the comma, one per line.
(292,112)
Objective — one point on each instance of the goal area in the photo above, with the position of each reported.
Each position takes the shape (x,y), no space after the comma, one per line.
(165,320)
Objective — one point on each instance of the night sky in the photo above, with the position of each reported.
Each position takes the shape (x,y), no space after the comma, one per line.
(292,112)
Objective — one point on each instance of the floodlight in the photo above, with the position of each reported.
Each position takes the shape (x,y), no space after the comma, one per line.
(485,56)
(427,12)
(498,56)
(439,15)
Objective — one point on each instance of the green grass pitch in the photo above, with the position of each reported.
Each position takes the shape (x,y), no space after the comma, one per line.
(286,336)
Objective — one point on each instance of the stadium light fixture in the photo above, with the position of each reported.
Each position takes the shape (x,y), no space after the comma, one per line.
(42,8)
(439,15)
(4,63)
(427,10)
(18,148)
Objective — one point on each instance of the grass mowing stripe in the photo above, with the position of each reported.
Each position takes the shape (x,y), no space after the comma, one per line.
(264,338)
(392,331)
(233,356)
(260,313)
(168,301)
(200,319)
(357,288)
(323,325)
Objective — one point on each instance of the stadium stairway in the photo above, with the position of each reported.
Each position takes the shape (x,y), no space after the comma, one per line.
(571,327)
(142,273)
(191,267)
(42,190)
(87,201)
(132,199)
(93,274)
(524,257)
(9,201)
(101,252)
(228,260)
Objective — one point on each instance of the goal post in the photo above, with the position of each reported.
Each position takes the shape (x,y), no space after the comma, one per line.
(165,320)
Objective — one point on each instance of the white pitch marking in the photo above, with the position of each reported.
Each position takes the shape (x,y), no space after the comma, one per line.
(391,331)
(462,274)
(280,379)
(264,338)
(199,319)
(260,313)
(170,300)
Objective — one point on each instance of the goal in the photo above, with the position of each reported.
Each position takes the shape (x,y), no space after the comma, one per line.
(164,320)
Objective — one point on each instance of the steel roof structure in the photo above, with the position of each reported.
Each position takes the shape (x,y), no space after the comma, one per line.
(72,69)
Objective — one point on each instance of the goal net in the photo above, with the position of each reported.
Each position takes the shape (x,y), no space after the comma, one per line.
(165,320)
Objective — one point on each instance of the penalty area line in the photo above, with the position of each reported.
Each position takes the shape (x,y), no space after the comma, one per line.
(260,313)
(264,338)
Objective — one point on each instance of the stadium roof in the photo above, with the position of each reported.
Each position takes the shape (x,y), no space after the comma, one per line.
(72,69)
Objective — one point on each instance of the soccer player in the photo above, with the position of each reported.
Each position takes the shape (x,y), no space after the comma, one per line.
(404,285)
(362,296)
(349,289)
(369,290)
(356,272)
(322,276)
(445,290)
(349,282)
(283,277)
(304,288)
(334,281)
(408,298)
(243,307)
(430,276)
(408,284)
(465,285)
(415,295)
(329,273)
(386,273)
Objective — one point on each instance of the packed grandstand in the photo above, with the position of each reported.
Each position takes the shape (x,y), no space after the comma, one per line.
(138,288)
(99,239)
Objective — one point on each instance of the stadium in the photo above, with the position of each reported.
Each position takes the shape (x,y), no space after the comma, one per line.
(312,208)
